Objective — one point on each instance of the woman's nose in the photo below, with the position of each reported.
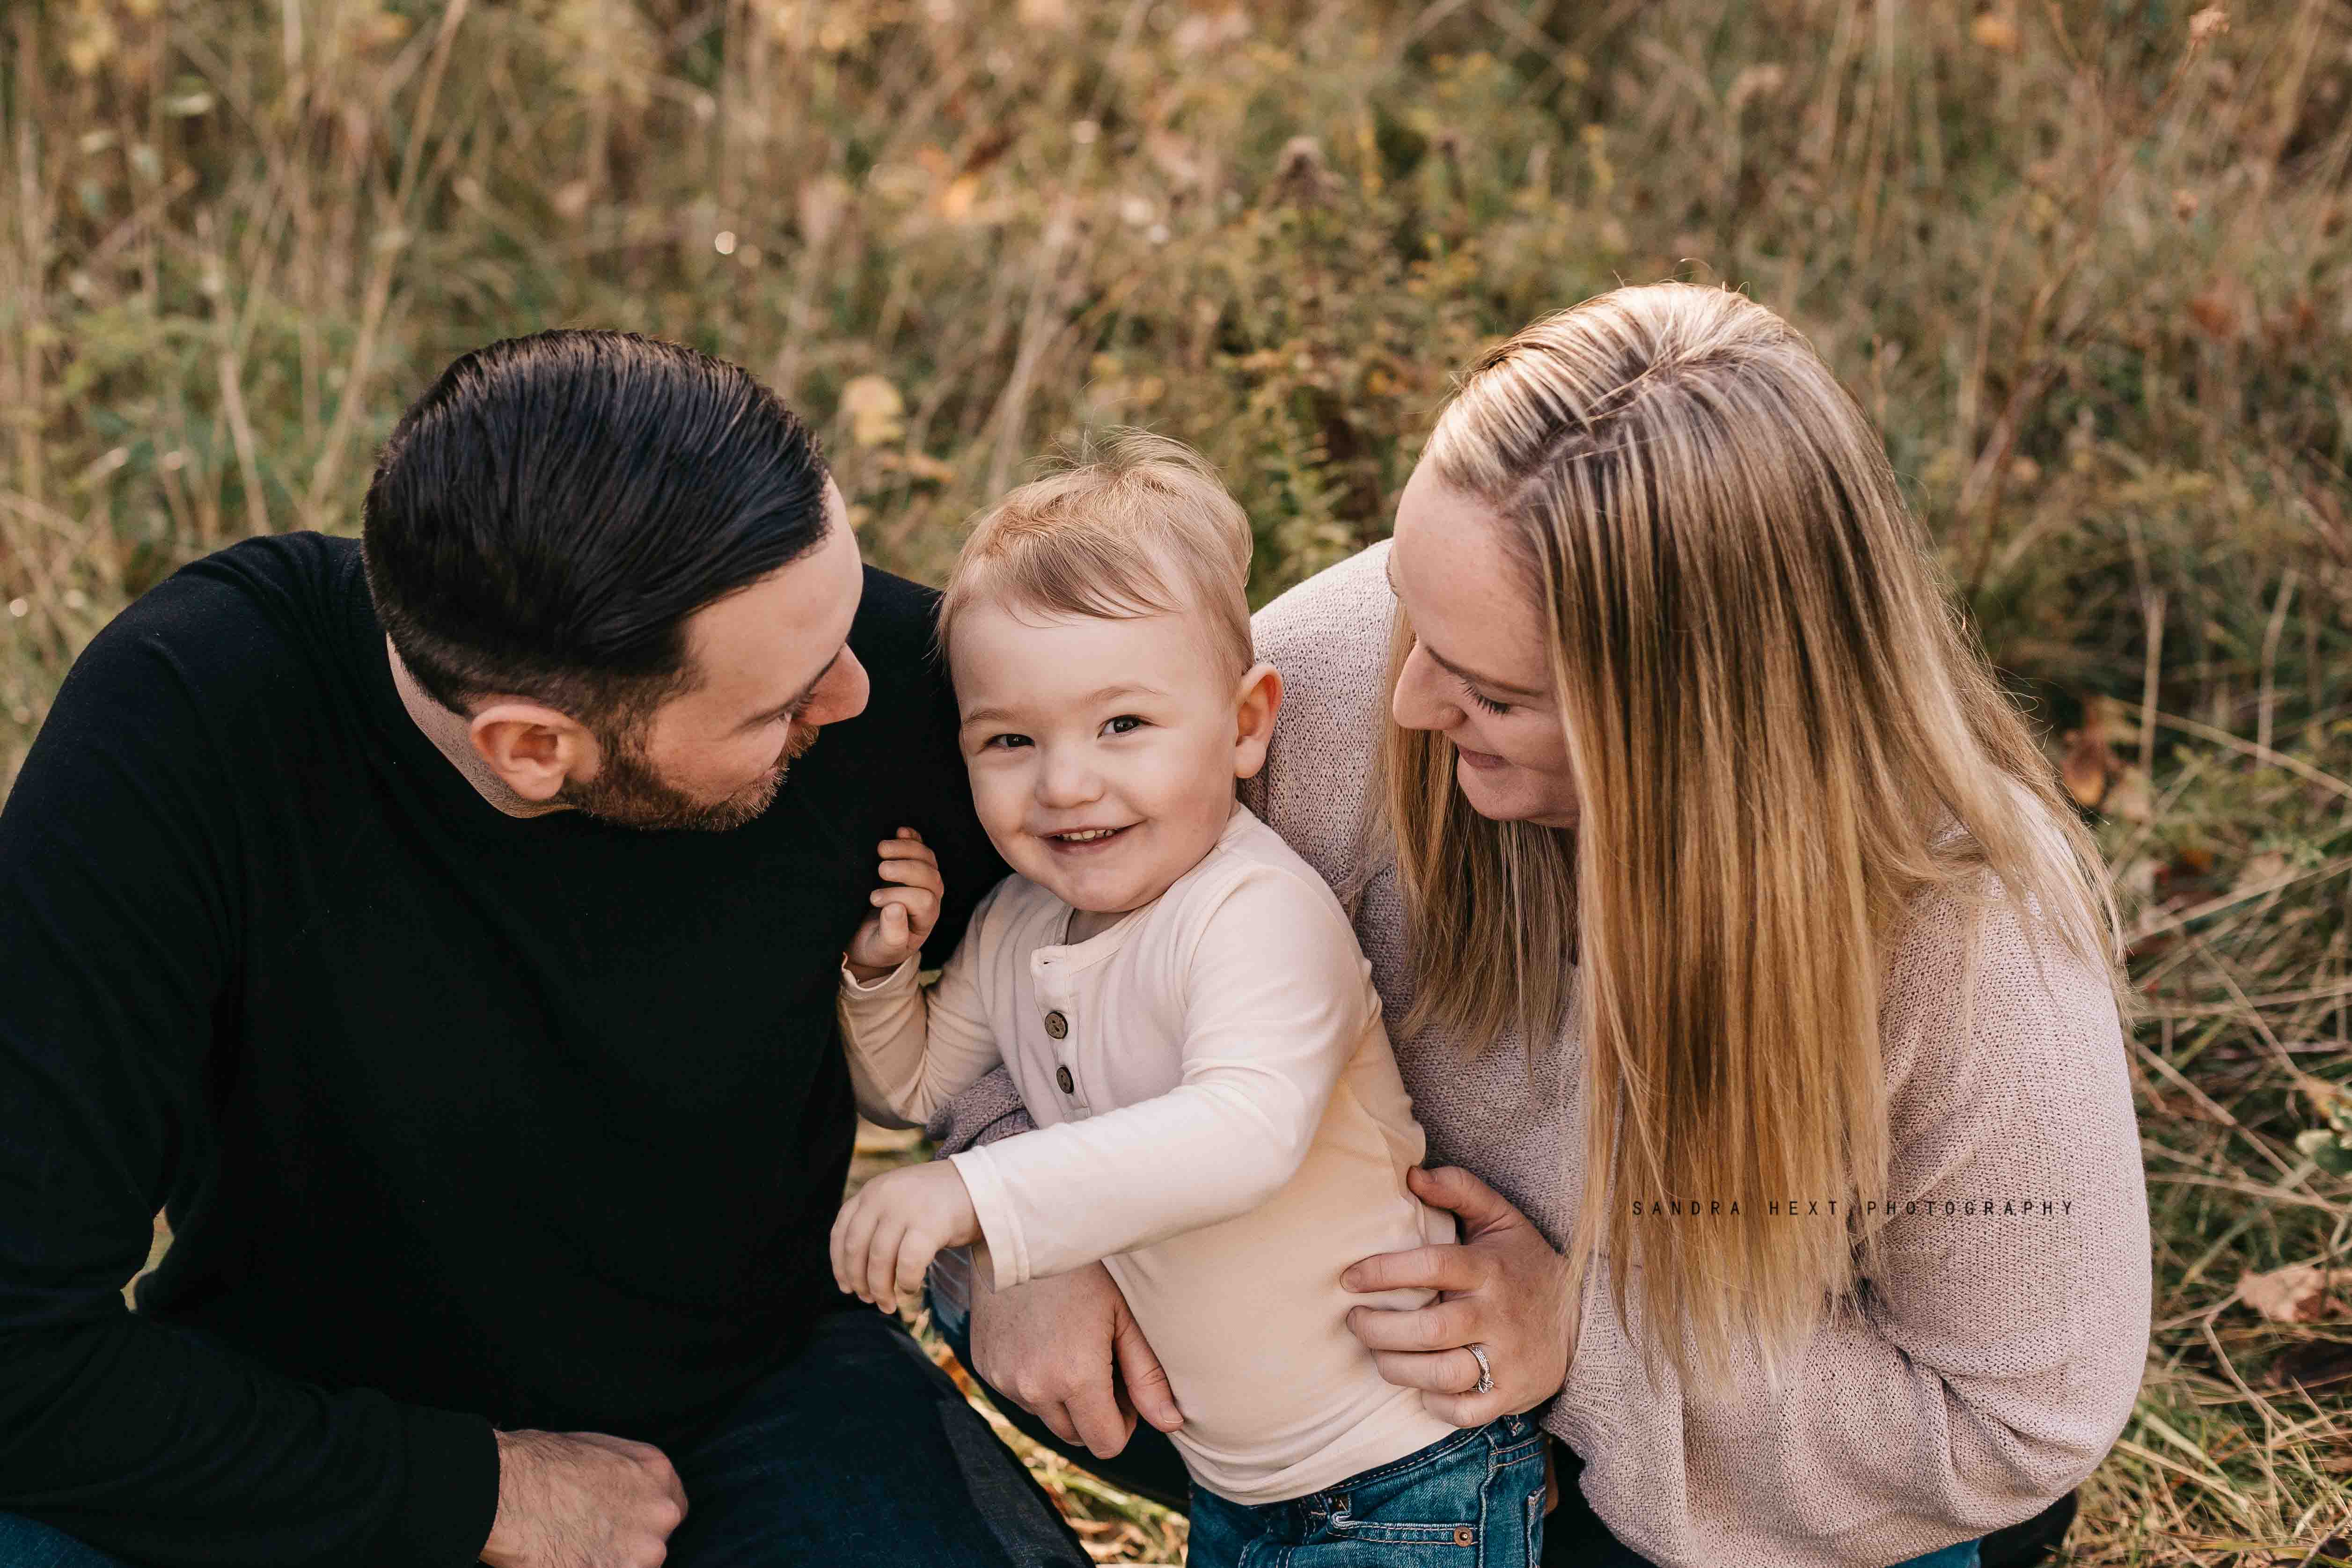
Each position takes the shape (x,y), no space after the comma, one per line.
(1420,701)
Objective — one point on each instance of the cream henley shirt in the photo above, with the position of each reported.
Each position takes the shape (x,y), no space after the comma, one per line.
(1219,1121)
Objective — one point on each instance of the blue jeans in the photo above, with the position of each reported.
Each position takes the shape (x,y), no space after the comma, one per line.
(1149,1464)
(1475,1500)
(858,1452)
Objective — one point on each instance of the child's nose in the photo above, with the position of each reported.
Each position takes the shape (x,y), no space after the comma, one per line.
(1067,780)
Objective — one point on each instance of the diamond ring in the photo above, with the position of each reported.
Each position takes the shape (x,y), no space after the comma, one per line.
(1485,1384)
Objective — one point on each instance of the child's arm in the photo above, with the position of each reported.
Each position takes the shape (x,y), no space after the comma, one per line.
(1277,998)
(910,1052)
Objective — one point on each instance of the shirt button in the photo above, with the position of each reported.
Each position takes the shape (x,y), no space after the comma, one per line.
(1063,1080)
(1057,1025)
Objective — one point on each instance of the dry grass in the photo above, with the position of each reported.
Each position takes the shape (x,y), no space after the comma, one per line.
(2093,279)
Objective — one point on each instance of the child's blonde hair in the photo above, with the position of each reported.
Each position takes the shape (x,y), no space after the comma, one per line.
(1138,525)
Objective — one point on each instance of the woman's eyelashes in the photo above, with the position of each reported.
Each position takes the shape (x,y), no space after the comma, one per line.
(1481,699)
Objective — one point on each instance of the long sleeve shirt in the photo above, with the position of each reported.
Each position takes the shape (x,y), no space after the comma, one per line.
(1220,1123)
(460,1120)
(1992,1365)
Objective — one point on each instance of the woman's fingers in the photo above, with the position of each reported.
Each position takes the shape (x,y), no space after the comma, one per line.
(1442,1326)
(1466,1409)
(1479,1206)
(1443,1372)
(1451,1268)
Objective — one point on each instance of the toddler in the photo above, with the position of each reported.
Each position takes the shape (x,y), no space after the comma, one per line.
(1182,1003)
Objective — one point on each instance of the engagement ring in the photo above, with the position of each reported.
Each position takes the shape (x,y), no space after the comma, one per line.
(1485,1384)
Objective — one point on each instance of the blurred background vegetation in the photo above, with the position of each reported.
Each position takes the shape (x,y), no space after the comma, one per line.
(2086,262)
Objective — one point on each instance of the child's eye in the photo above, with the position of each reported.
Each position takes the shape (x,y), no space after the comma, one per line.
(1126,723)
(1003,743)
(1483,701)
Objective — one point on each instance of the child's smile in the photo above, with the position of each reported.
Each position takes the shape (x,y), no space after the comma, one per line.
(1103,753)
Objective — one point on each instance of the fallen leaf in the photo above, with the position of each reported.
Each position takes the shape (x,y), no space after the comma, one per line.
(2089,766)
(2299,1293)
(1995,30)
(2130,799)
(955,201)
(2215,313)
(2313,1365)
(875,410)
(2267,866)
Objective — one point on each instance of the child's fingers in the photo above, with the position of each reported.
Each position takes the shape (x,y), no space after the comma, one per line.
(911,870)
(914,909)
(882,1263)
(915,1256)
(847,1246)
(906,849)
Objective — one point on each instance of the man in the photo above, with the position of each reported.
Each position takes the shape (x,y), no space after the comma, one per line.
(445,933)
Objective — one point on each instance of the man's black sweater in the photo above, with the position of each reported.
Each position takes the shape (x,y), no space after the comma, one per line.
(459,1119)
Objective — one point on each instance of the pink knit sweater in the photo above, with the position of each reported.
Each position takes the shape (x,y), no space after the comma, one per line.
(1991,1364)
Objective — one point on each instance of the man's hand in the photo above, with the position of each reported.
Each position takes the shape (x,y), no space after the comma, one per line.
(1068,1350)
(906,906)
(582,1500)
(1503,1289)
(885,1237)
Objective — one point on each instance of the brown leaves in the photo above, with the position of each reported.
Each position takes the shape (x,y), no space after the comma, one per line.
(1995,30)
(2299,1293)
(2091,771)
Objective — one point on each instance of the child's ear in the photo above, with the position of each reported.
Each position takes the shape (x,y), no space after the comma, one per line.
(1254,706)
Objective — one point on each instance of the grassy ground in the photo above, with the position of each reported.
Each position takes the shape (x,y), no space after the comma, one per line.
(2087,264)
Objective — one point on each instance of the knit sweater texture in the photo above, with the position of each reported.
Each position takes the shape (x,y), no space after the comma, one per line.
(1989,1365)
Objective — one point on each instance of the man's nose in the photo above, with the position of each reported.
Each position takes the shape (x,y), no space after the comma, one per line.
(842,694)
(1420,701)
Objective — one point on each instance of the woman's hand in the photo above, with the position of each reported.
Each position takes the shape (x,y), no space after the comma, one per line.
(1069,1353)
(1503,1289)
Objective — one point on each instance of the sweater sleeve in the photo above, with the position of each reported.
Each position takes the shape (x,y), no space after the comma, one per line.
(119,904)
(1992,1364)
(912,1048)
(1275,1004)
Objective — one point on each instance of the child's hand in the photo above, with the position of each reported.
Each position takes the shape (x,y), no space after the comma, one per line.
(887,1235)
(908,908)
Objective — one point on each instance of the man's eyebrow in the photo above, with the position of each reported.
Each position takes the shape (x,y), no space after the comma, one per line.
(801,697)
(1388,569)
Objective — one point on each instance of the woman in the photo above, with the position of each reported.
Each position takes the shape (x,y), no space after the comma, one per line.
(1699,808)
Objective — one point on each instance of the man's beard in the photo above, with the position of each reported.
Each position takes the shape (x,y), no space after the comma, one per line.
(629,791)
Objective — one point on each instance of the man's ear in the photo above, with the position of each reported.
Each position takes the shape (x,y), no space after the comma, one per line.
(531,748)
(1255,707)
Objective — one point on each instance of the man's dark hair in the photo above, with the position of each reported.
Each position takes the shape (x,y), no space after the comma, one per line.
(543,521)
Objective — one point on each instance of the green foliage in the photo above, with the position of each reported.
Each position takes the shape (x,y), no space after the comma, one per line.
(2086,265)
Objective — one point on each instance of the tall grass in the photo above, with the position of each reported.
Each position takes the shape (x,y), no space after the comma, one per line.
(2087,264)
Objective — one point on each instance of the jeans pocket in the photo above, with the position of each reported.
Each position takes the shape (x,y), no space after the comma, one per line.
(1463,1502)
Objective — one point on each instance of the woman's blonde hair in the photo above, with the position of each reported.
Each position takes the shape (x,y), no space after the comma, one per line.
(1781,736)
(1136,525)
